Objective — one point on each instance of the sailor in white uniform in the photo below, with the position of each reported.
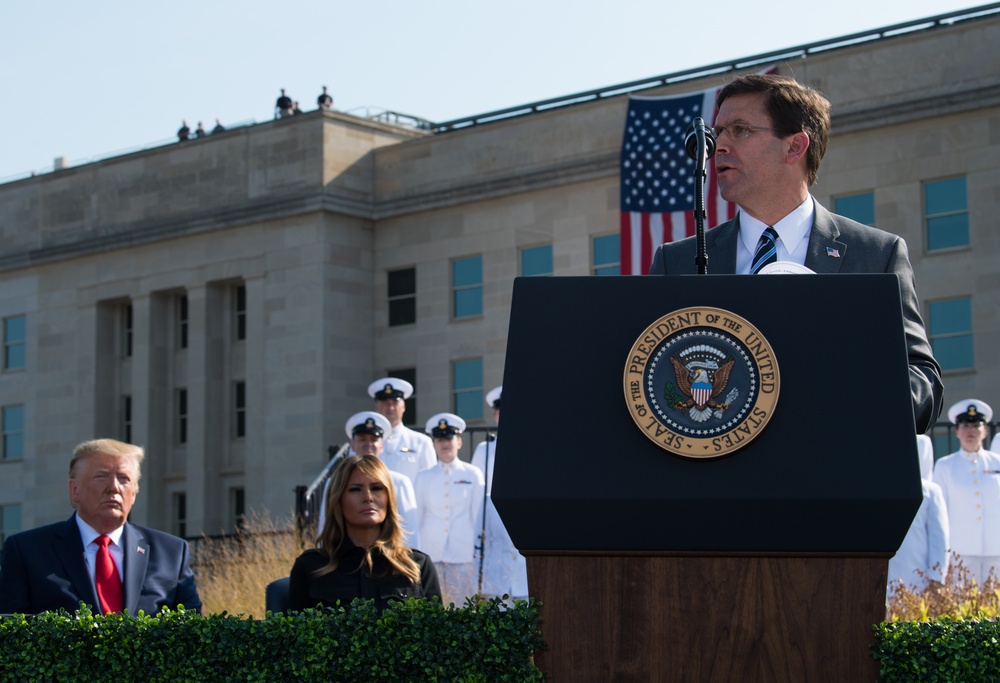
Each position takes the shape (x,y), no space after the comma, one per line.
(366,430)
(406,450)
(925,547)
(449,498)
(484,456)
(970,480)
(504,569)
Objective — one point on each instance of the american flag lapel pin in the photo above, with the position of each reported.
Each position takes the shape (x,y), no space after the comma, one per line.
(139,549)
(835,253)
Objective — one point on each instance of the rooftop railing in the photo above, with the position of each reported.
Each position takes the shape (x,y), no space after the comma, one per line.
(798,52)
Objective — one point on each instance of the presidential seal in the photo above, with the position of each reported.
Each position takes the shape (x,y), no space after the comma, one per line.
(701,382)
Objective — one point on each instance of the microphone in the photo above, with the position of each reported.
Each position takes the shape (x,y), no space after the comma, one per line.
(695,130)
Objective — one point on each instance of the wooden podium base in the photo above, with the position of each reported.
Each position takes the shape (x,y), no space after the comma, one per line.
(698,617)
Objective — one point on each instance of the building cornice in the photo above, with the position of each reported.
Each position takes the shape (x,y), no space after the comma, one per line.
(945,101)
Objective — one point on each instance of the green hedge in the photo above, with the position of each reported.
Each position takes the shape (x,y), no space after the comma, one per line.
(419,640)
(945,650)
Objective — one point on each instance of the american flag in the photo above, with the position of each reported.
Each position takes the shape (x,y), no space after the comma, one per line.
(657,176)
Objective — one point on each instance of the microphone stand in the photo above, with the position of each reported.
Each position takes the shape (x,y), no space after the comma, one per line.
(700,151)
(482,531)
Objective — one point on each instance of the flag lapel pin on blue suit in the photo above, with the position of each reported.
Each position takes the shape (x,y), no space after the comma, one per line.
(835,253)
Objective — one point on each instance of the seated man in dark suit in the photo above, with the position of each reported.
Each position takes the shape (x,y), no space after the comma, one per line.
(771,133)
(96,556)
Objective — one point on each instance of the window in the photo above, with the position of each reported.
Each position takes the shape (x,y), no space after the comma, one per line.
(126,328)
(237,508)
(402,289)
(239,409)
(607,255)
(467,286)
(180,514)
(11,432)
(181,322)
(468,388)
(126,429)
(10,521)
(946,213)
(537,260)
(950,330)
(240,312)
(13,342)
(410,414)
(181,411)
(859,207)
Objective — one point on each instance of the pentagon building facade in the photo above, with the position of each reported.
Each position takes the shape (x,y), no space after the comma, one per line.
(225,301)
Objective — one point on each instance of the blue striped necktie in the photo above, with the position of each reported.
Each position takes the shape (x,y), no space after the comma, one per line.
(767,250)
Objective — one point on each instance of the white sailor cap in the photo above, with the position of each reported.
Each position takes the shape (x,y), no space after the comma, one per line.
(389,387)
(445,426)
(970,410)
(493,398)
(367,422)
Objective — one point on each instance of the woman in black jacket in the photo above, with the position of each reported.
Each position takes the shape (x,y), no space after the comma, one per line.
(360,552)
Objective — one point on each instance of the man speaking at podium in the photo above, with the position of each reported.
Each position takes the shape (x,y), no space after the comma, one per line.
(771,133)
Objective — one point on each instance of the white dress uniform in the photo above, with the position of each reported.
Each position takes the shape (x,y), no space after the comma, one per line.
(926,544)
(449,496)
(407,451)
(995,444)
(971,486)
(485,457)
(505,570)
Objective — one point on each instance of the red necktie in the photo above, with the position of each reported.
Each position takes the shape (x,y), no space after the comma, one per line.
(106,577)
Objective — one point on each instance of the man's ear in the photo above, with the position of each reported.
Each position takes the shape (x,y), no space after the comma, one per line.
(798,145)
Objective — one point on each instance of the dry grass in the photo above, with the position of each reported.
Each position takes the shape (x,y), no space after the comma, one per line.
(959,597)
(233,573)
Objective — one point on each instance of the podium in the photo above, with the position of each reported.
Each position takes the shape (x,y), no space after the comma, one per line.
(767,563)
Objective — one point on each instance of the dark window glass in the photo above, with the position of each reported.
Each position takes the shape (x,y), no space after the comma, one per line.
(402,288)
(950,330)
(946,208)
(607,255)
(859,207)
(536,260)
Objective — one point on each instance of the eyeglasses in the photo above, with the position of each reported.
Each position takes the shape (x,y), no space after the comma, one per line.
(741,131)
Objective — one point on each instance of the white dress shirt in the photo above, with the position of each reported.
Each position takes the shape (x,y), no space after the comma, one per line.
(793,236)
(89,535)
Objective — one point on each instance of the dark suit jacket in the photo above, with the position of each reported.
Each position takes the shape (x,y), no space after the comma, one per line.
(44,569)
(861,249)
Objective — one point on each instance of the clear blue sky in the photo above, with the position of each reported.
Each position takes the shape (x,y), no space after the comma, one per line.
(90,79)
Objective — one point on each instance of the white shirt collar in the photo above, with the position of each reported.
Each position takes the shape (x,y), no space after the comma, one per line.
(792,230)
(88,534)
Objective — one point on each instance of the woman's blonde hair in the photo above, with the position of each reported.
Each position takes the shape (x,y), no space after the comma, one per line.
(390,543)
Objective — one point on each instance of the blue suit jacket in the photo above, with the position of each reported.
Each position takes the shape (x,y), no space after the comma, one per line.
(44,569)
(836,245)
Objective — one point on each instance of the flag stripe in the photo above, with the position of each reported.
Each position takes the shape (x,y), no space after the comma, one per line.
(657,177)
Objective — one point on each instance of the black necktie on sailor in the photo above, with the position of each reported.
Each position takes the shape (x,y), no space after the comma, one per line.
(767,250)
